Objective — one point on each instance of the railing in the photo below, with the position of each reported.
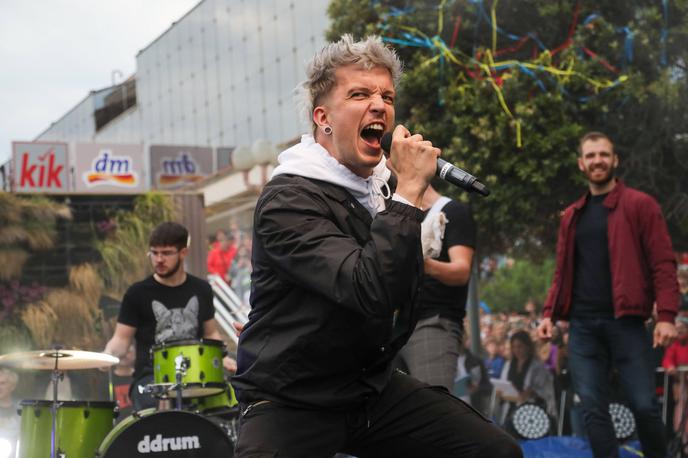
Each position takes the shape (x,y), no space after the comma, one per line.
(228,306)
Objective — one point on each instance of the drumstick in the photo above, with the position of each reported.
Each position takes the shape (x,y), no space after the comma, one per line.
(111,388)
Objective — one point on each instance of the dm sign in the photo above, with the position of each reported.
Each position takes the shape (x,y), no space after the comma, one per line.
(40,167)
(109,168)
(174,167)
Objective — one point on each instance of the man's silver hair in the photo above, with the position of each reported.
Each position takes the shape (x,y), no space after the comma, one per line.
(320,79)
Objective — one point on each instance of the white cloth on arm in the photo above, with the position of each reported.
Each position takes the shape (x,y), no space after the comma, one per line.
(432,229)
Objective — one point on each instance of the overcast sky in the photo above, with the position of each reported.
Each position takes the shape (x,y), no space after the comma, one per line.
(53,52)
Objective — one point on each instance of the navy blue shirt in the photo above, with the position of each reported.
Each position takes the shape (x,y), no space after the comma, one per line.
(592,285)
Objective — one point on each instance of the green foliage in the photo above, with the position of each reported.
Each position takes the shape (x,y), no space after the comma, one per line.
(27,224)
(124,250)
(511,287)
(14,336)
(475,115)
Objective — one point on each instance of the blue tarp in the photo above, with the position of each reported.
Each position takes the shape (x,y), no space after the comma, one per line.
(570,447)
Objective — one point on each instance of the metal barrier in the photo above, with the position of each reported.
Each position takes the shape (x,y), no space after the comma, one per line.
(228,306)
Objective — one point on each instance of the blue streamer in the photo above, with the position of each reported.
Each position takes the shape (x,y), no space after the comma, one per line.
(665,33)
(532,74)
(403,42)
(590,18)
(628,44)
(486,17)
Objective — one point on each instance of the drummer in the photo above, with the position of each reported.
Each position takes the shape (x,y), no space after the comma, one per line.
(169,305)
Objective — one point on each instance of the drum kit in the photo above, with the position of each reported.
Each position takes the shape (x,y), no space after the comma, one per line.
(188,372)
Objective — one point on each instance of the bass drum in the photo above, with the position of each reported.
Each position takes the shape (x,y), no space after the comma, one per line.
(173,433)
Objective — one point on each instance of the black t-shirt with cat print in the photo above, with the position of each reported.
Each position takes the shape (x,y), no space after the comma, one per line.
(162,313)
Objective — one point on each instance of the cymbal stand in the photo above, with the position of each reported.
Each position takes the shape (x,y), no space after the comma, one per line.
(55,377)
(181,364)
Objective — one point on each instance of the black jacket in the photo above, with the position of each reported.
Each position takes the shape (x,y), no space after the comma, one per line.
(327,279)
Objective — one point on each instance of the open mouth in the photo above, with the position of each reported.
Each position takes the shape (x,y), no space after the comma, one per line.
(372,133)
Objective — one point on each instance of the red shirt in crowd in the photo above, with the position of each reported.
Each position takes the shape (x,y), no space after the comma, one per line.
(676,355)
(219,260)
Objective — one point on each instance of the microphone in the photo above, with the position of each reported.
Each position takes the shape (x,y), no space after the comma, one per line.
(446,171)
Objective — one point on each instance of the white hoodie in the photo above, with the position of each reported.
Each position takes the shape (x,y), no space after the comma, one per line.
(309,159)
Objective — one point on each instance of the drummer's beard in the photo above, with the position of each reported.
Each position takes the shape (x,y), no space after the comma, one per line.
(170,272)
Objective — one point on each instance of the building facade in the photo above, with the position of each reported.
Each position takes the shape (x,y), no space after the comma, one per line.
(221,76)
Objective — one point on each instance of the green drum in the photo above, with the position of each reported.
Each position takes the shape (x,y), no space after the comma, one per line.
(204,374)
(223,404)
(80,428)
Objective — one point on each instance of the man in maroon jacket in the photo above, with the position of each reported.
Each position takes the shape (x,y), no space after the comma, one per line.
(614,261)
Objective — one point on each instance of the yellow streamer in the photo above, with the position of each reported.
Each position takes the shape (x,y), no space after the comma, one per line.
(440,18)
(542,63)
(493,14)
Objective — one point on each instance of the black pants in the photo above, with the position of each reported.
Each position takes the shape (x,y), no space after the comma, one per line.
(409,419)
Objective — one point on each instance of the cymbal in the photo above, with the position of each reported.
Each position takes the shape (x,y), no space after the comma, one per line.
(66,360)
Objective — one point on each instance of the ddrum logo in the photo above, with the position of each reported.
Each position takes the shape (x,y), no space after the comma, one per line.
(166,444)
(178,172)
(107,168)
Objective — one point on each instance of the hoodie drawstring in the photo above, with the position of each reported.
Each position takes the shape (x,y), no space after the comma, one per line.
(378,187)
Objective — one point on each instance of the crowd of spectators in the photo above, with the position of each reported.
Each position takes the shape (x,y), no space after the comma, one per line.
(510,338)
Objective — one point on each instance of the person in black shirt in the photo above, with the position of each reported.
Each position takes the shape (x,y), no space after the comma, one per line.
(434,347)
(169,305)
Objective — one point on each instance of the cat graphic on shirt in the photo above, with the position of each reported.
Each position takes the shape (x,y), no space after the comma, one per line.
(177,323)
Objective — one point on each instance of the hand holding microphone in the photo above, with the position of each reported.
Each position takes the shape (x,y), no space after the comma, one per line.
(413,162)
(446,171)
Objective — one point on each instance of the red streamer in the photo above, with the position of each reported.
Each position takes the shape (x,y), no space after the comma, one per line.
(455,34)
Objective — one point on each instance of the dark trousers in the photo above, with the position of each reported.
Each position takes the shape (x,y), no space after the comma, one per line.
(409,419)
(597,345)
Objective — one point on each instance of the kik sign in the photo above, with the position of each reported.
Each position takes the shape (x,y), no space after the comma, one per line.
(110,168)
(174,167)
(40,167)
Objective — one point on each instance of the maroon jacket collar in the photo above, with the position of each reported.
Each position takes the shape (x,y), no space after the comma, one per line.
(610,201)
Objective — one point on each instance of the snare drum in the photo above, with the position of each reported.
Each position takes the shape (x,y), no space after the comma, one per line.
(80,427)
(204,374)
(179,433)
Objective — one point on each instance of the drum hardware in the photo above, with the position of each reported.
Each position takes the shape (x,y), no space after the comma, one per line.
(181,364)
(55,378)
(159,390)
